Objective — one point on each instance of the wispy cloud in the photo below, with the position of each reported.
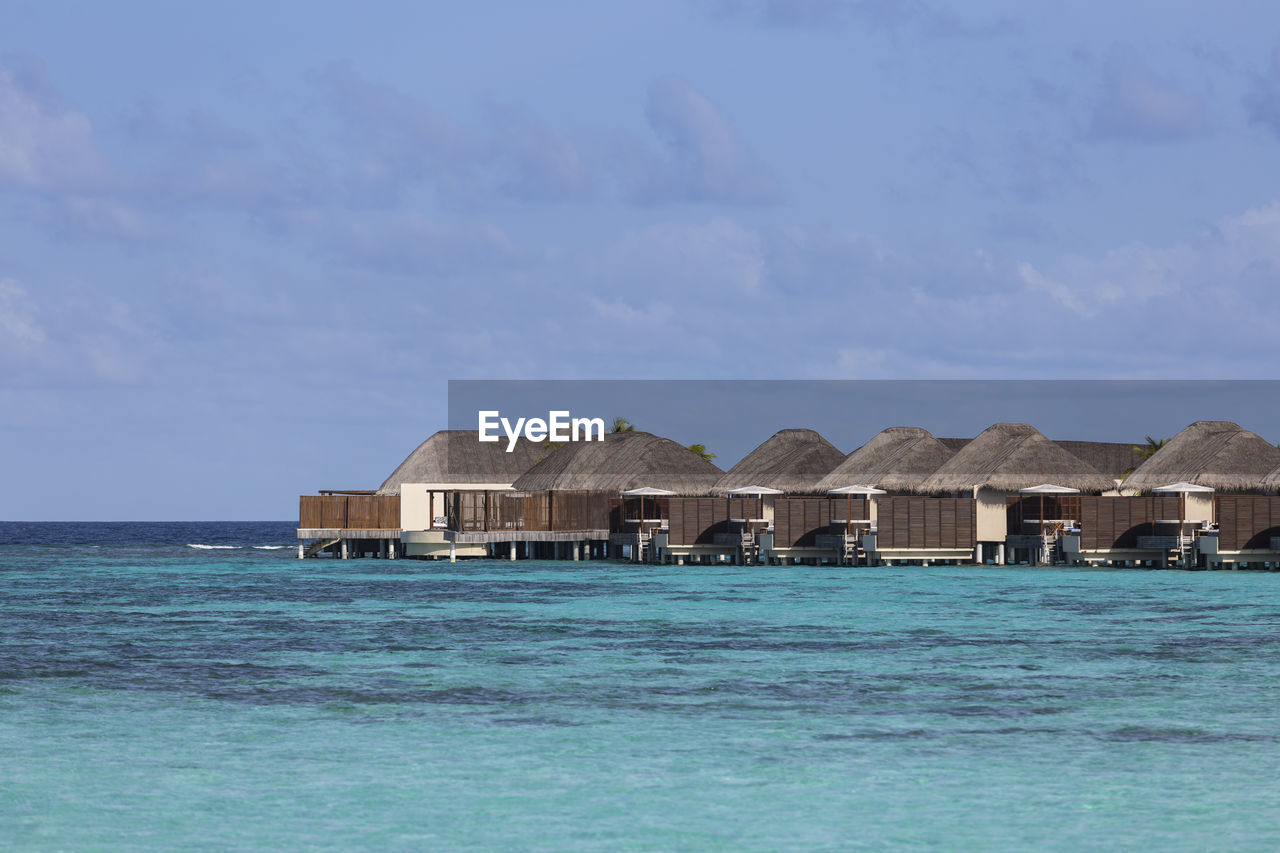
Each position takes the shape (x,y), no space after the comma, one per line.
(890,16)
(22,332)
(704,159)
(43,145)
(1135,103)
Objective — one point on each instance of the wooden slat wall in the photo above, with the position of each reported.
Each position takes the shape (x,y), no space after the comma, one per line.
(695,521)
(855,509)
(909,521)
(580,510)
(1246,521)
(362,511)
(797,520)
(311,511)
(1117,522)
(356,512)
(334,512)
(389,512)
(535,511)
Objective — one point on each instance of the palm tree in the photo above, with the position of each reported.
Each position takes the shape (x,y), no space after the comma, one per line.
(701,450)
(1144,452)
(621,425)
(1149,449)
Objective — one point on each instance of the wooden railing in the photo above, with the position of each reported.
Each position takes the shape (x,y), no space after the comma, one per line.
(1108,522)
(535,511)
(797,522)
(349,512)
(1246,521)
(696,521)
(923,522)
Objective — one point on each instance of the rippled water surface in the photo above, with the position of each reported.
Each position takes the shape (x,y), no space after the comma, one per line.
(156,694)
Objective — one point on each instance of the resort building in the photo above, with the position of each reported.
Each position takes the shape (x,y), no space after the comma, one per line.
(657,470)
(772,504)
(1208,499)
(991,470)
(1212,478)
(899,525)
(408,515)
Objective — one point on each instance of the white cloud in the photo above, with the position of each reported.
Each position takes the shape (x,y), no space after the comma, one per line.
(704,158)
(42,146)
(19,328)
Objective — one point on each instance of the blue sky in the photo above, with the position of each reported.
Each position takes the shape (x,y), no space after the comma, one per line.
(245,245)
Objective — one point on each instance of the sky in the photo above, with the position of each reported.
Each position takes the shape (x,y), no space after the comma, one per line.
(245,246)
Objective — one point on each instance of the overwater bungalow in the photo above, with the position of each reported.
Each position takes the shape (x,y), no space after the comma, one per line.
(626,461)
(1208,498)
(992,468)
(774,508)
(897,461)
(1230,520)
(408,515)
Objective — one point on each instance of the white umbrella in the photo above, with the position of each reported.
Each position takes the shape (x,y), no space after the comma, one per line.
(849,492)
(642,493)
(1046,489)
(1182,490)
(754,490)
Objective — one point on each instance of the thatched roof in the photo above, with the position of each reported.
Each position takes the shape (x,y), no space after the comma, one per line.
(624,460)
(1014,456)
(954,444)
(1271,482)
(1218,454)
(458,456)
(793,460)
(897,459)
(1111,458)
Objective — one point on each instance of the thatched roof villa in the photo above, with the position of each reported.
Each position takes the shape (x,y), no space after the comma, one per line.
(897,459)
(624,460)
(1002,459)
(1008,457)
(1218,454)
(459,457)
(791,460)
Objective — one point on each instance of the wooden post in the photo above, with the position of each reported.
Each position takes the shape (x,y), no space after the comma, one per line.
(513,550)
(344,549)
(453,551)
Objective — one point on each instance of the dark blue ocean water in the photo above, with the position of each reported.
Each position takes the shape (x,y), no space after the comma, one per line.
(158,695)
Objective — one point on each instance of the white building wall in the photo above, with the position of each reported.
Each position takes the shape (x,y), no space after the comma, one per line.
(992,515)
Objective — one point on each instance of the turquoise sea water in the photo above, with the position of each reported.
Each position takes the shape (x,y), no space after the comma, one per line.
(154,695)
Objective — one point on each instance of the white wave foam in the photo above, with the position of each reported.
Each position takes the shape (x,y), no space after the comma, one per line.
(213,547)
(269,547)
